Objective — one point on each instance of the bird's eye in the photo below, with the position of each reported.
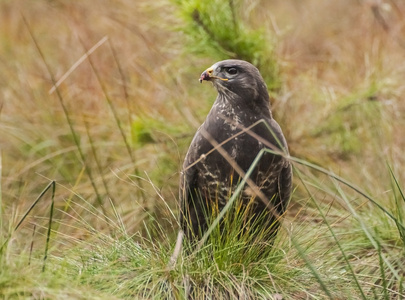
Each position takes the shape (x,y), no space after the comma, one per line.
(231,71)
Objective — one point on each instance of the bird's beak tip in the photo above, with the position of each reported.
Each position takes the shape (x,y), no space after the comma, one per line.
(204,76)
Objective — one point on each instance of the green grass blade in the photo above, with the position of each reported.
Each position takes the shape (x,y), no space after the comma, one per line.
(311,268)
(332,233)
(397,183)
(48,235)
(34,204)
(341,180)
(399,206)
(370,236)
(382,271)
(27,212)
(97,161)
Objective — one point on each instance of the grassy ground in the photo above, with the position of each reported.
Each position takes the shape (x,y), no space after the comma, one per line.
(89,171)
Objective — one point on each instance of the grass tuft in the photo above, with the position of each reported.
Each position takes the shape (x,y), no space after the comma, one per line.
(124,104)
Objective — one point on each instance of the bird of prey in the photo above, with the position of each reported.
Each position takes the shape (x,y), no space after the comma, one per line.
(238,126)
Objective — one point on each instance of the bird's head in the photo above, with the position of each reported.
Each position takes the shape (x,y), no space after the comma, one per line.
(236,79)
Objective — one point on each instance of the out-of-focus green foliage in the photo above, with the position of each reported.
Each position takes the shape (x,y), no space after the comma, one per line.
(215,28)
(141,131)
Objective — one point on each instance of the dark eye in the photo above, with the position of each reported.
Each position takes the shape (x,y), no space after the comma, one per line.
(231,71)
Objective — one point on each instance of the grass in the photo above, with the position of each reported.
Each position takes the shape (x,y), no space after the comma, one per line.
(89,171)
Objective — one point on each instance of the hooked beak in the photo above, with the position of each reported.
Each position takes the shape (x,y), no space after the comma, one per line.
(206,75)
(209,75)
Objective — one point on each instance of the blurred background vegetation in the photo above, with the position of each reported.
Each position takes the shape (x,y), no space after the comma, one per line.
(114,132)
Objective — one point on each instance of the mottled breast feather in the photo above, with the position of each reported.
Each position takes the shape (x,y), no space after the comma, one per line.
(237,128)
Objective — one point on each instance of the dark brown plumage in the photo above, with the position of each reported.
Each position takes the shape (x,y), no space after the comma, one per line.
(221,153)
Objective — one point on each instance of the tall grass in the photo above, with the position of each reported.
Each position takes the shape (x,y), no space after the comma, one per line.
(110,141)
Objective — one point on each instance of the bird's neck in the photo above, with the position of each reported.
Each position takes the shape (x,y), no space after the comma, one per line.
(254,110)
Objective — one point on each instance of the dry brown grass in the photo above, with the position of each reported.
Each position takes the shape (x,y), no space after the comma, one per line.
(341,103)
